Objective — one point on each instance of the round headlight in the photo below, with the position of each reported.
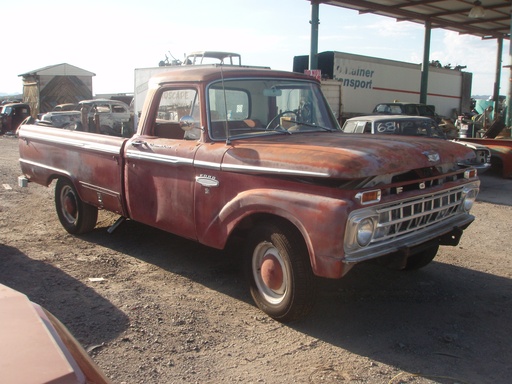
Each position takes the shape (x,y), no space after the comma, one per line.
(365,231)
(469,199)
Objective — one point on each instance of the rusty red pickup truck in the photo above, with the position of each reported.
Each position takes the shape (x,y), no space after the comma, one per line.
(231,152)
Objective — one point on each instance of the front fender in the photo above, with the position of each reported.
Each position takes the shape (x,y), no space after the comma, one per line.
(321,221)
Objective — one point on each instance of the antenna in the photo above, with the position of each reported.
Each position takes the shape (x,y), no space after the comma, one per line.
(226,126)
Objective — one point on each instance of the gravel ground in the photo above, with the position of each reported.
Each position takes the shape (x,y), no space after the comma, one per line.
(153,308)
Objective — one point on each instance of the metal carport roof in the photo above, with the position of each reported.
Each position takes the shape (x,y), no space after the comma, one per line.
(446,14)
(452,15)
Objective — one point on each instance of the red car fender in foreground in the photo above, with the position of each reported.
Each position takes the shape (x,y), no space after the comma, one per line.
(38,348)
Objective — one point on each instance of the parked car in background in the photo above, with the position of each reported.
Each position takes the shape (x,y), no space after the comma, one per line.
(413,126)
(103,116)
(11,116)
(37,348)
(407,108)
(62,119)
(65,107)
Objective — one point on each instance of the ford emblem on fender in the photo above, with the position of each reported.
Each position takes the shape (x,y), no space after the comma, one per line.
(432,156)
(207,180)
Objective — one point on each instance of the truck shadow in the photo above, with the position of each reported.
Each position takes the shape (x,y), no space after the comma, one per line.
(76,305)
(447,315)
(219,270)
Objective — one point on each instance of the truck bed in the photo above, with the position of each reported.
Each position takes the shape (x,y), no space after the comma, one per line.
(95,161)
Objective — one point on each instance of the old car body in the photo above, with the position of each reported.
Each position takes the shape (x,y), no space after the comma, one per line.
(64,107)
(62,119)
(501,152)
(414,126)
(103,116)
(37,348)
(227,153)
(11,116)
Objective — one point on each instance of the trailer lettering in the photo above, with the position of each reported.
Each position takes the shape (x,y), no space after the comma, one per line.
(356,77)
(359,72)
(356,84)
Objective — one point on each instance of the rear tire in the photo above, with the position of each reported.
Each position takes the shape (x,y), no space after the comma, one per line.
(75,216)
(278,268)
(421,259)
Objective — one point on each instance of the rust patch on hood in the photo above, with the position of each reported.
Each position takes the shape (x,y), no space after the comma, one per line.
(341,156)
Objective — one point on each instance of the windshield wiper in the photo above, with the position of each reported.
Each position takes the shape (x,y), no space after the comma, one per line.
(281,129)
(312,125)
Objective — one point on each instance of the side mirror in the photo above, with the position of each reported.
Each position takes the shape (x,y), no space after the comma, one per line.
(187,123)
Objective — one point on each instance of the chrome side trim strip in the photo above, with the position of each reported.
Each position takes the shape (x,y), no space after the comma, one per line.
(207,165)
(278,171)
(97,147)
(158,158)
(96,188)
(175,160)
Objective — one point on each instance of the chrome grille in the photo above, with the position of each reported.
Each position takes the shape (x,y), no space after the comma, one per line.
(409,216)
(408,222)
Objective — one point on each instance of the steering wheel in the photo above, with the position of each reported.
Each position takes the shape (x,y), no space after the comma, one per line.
(278,116)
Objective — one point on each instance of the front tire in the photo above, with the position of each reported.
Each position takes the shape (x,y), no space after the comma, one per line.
(281,280)
(76,216)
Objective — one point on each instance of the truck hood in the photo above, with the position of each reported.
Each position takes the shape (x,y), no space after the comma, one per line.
(339,155)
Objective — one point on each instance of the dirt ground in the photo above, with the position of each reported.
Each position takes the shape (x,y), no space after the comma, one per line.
(167,310)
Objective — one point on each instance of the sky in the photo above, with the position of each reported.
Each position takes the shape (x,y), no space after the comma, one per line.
(111,38)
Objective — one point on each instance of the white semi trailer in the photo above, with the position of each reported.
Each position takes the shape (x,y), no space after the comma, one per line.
(366,81)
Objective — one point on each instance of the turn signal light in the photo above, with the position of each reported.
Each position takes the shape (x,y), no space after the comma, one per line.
(470,173)
(369,197)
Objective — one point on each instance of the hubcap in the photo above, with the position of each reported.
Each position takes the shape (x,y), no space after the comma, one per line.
(70,204)
(272,272)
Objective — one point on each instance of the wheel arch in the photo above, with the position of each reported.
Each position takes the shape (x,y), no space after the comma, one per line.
(301,211)
(249,222)
(53,178)
(43,174)
(76,216)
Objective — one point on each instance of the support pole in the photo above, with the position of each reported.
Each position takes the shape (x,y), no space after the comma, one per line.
(508,119)
(496,92)
(313,53)
(426,63)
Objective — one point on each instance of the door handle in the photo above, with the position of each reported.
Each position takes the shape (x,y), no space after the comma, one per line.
(138,143)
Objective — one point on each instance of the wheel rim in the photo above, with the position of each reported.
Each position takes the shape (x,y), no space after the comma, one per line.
(68,204)
(270,273)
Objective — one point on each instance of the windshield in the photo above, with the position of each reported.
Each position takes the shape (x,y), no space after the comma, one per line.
(266,106)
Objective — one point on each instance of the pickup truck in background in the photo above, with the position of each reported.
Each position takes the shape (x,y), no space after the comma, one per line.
(11,116)
(232,153)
